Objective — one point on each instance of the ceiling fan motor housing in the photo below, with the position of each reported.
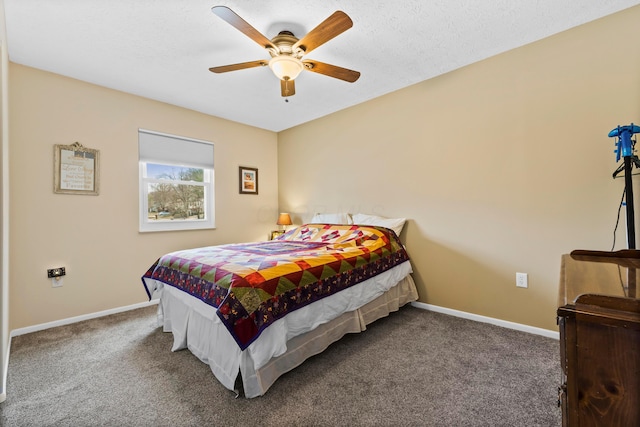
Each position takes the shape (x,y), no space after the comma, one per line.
(284,42)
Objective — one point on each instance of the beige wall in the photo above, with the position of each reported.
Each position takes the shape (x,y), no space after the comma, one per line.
(96,237)
(500,167)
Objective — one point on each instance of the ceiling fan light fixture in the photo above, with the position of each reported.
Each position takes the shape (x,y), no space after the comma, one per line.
(286,67)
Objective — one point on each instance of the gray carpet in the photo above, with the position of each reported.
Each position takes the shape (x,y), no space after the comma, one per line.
(412,368)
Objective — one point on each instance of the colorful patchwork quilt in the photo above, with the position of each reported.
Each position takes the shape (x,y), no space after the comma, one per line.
(251,285)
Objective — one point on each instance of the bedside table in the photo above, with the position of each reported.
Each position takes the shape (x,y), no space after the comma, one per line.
(275,233)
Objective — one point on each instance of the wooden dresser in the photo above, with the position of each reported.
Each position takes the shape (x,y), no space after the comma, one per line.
(599,320)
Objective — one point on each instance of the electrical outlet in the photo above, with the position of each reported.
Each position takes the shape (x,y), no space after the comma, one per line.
(56,272)
(522,280)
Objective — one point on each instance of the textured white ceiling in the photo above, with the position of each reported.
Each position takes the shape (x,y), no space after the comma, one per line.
(162,49)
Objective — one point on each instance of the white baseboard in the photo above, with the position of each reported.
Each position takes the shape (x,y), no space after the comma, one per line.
(3,395)
(478,318)
(67,321)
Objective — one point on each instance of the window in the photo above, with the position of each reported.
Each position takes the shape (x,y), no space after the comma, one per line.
(176,182)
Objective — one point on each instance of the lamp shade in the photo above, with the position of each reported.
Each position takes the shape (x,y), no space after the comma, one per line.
(285,67)
(284,219)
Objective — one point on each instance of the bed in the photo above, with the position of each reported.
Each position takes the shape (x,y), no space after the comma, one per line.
(257,310)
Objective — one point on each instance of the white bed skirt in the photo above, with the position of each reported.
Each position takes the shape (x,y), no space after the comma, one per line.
(287,342)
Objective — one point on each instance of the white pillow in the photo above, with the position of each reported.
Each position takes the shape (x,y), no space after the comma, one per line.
(332,218)
(395,224)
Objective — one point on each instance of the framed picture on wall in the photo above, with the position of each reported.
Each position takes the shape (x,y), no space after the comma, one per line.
(248,180)
(76,169)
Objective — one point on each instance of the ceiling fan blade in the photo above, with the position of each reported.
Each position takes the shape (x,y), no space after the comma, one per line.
(243,26)
(241,66)
(287,88)
(332,71)
(334,25)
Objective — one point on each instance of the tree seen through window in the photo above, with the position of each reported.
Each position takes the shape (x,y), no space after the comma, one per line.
(177,193)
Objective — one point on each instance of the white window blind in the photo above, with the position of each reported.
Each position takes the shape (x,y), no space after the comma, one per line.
(174,150)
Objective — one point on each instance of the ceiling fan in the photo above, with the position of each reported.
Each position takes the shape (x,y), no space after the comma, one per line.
(287,50)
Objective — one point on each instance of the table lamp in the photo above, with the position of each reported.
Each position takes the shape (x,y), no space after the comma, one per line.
(284,219)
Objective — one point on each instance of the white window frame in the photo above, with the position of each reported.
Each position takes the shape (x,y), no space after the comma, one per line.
(165,156)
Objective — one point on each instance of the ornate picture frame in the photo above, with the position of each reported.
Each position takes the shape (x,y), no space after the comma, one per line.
(76,170)
(248,180)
